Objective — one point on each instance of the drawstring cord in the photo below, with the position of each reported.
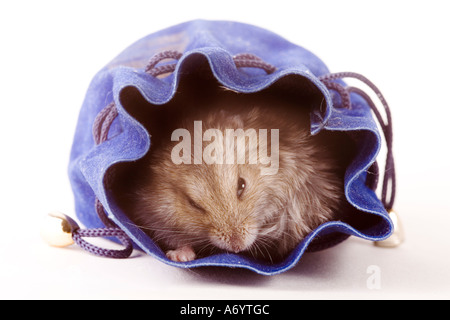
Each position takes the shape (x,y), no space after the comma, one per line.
(105,118)
(386,126)
(100,130)
(111,230)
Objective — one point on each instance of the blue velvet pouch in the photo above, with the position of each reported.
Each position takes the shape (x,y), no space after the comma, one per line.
(218,44)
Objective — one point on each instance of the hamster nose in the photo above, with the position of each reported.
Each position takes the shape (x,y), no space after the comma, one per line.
(236,243)
(231,240)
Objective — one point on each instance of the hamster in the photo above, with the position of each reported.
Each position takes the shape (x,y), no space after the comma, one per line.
(196,208)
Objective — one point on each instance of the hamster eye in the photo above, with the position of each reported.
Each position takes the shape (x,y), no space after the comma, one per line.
(240,187)
(195,205)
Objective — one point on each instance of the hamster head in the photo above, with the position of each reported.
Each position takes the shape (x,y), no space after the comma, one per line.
(205,204)
(208,205)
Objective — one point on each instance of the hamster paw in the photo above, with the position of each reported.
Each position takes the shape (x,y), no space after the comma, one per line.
(181,254)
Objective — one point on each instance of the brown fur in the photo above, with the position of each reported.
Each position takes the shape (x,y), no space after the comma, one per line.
(196,206)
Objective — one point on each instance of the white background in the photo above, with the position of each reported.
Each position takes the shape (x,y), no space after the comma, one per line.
(50,50)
